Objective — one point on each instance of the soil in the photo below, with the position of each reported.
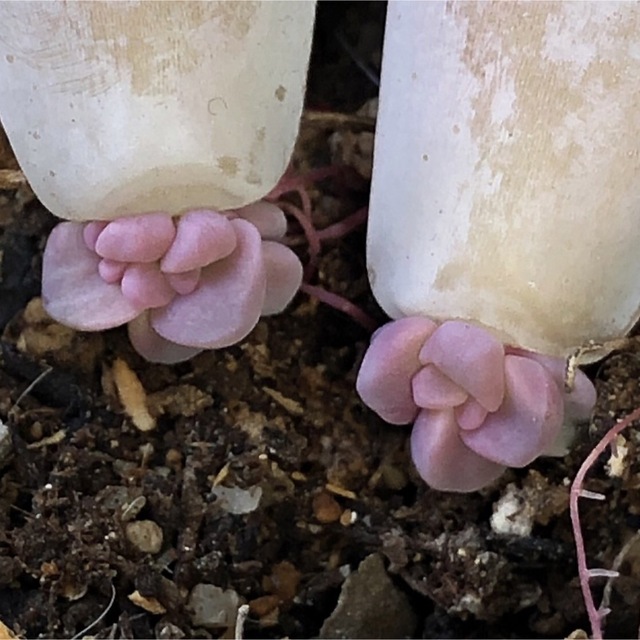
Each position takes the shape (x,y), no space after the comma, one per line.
(265,480)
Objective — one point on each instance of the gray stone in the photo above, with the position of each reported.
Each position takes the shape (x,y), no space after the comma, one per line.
(211,607)
(370,606)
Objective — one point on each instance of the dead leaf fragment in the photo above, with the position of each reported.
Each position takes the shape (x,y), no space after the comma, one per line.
(292,406)
(6,633)
(133,396)
(55,438)
(340,491)
(148,604)
(11,179)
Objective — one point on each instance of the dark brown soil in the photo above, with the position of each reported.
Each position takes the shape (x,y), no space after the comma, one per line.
(275,417)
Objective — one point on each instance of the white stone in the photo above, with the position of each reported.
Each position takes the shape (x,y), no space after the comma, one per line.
(212,607)
(512,514)
(236,500)
(506,181)
(118,108)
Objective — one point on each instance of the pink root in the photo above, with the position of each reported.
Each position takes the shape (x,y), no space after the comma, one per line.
(344,227)
(315,238)
(291,182)
(341,304)
(304,220)
(595,615)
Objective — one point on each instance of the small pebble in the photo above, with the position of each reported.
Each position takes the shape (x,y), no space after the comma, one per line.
(145,535)
(167,631)
(263,605)
(283,581)
(394,477)
(211,607)
(173,459)
(35,431)
(325,508)
(236,500)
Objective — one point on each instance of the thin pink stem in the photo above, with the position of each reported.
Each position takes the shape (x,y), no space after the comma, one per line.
(345,226)
(341,304)
(304,217)
(311,234)
(290,182)
(305,198)
(595,616)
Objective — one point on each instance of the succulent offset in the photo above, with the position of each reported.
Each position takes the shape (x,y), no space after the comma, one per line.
(197,282)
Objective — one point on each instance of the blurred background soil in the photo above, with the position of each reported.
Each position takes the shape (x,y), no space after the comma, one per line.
(266,482)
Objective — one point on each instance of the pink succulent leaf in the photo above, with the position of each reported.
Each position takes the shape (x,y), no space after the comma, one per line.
(145,286)
(529,420)
(202,237)
(73,292)
(391,361)
(184,283)
(471,357)
(284,276)
(227,303)
(154,347)
(433,390)
(470,415)
(91,232)
(561,446)
(441,457)
(579,403)
(266,217)
(111,271)
(143,238)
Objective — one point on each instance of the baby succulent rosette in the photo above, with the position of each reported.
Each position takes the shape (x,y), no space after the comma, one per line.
(477,406)
(199,281)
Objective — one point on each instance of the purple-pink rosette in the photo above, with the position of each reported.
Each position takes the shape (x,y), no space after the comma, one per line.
(200,281)
(476,406)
